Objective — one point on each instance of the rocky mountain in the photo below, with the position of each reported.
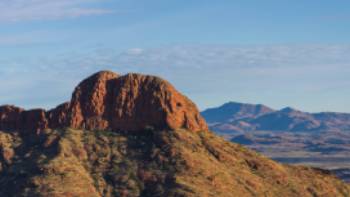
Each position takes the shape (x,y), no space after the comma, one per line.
(237,117)
(288,135)
(108,101)
(232,111)
(136,135)
(287,119)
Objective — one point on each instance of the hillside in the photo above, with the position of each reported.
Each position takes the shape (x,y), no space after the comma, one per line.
(135,135)
(154,163)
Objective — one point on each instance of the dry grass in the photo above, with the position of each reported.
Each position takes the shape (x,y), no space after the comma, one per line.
(155,163)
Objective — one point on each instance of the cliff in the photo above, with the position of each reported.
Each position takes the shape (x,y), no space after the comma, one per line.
(106,100)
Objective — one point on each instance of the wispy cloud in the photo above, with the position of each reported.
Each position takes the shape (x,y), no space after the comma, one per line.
(28,10)
(201,57)
(275,75)
(239,56)
(274,61)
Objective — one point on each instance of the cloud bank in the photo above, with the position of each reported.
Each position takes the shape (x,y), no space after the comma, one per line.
(306,77)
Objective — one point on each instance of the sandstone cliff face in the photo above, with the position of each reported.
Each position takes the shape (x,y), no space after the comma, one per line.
(14,118)
(33,120)
(108,101)
(58,117)
(10,117)
(91,102)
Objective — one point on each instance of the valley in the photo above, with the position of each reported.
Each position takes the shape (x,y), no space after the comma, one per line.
(320,140)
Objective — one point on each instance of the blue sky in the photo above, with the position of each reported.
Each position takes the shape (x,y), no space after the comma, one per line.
(276,52)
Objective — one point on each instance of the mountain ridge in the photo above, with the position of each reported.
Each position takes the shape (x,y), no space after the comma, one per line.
(235,110)
(135,135)
(286,119)
(106,100)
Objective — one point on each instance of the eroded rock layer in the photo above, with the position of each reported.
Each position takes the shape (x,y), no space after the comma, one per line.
(106,100)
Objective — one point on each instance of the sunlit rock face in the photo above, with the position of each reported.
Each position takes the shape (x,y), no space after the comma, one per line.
(106,100)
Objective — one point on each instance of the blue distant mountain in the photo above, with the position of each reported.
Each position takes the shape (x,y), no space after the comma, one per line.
(232,111)
(287,135)
(241,117)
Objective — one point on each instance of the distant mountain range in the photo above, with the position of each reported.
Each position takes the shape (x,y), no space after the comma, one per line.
(287,135)
(240,117)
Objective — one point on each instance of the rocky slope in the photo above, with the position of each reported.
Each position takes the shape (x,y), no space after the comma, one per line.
(69,162)
(135,135)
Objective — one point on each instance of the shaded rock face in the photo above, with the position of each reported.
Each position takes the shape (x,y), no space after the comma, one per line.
(10,117)
(34,120)
(107,101)
(14,118)
(58,117)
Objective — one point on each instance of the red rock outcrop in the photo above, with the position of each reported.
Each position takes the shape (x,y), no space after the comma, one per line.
(34,121)
(58,117)
(106,101)
(15,118)
(10,117)
(91,102)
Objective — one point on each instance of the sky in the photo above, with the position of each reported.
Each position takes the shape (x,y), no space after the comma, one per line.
(274,52)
